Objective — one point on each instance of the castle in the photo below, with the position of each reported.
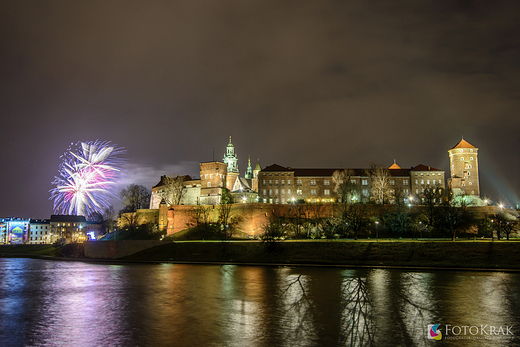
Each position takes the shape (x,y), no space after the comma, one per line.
(279,185)
(276,184)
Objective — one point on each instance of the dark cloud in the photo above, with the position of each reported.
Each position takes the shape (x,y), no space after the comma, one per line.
(299,83)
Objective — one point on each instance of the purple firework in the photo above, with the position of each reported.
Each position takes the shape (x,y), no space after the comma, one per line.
(87,178)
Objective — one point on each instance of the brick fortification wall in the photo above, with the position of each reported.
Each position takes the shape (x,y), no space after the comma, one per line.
(254,216)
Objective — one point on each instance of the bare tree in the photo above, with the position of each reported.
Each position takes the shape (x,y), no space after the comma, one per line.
(343,186)
(226,219)
(135,197)
(356,219)
(380,183)
(432,196)
(130,220)
(201,215)
(173,190)
(454,216)
(505,223)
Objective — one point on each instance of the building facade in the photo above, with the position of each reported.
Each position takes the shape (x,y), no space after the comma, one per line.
(67,229)
(40,231)
(281,185)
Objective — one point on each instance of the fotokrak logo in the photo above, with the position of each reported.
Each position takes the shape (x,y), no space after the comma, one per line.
(433,332)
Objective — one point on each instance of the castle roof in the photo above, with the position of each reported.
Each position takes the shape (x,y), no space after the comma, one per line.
(164,180)
(394,167)
(422,167)
(463,144)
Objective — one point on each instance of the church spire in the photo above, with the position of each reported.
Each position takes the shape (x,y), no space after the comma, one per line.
(230,158)
(249,171)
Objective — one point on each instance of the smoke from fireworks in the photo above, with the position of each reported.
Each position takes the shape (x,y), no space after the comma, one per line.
(87,177)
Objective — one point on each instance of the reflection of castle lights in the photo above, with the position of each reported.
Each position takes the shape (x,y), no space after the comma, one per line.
(92,235)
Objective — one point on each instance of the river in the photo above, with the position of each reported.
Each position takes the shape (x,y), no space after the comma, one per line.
(62,303)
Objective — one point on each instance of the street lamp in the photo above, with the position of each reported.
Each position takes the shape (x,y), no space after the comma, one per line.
(377,230)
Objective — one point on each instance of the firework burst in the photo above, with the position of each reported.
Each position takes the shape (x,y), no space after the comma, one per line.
(87,177)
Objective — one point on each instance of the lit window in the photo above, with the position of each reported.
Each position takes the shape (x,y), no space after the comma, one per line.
(326,192)
(351,181)
(288,191)
(264,192)
(364,182)
(392,182)
(405,182)
(283,182)
(326,182)
(283,191)
(270,192)
(263,182)
(288,182)
(276,192)
(313,191)
(461,158)
(299,192)
(299,182)
(270,182)
(313,182)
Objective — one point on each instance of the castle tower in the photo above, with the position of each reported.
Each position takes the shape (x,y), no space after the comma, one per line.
(230,158)
(256,171)
(464,169)
(249,170)
(212,177)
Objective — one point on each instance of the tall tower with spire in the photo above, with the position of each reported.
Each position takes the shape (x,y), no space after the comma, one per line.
(231,159)
(249,170)
(464,169)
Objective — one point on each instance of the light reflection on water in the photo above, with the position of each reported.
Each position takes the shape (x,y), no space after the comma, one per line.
(49,303)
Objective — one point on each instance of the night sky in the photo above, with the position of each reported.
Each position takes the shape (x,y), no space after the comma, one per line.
(324,83)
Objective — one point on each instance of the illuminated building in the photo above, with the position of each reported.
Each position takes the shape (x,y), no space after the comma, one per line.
(464,169)
(214,176)
(40,231)
(67,229)
(14,230)
(281,185)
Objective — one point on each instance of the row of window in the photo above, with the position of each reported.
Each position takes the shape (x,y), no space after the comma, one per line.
(276,174)
(428,174)
(364,182)
(434,182)
(282,182)
(41,232)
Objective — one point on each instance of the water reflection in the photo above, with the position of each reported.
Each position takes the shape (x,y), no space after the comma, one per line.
(47,303)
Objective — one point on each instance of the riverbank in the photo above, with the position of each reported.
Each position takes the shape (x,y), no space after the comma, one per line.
(435,254)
